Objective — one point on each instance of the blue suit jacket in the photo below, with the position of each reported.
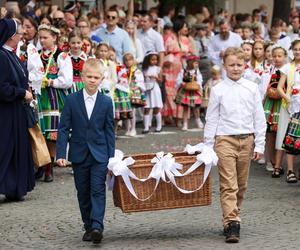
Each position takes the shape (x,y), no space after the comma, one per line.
(96,135)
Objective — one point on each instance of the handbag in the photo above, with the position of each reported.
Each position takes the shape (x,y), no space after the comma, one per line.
(192,86)
(31,113)
(40,152)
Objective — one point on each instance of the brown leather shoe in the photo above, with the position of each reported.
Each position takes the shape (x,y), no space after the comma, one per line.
(87,236)
(96,236)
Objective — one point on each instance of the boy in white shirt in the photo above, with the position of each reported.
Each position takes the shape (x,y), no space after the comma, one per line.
(235,122)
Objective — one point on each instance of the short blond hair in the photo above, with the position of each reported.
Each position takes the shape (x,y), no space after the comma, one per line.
(94,64)
(234,51)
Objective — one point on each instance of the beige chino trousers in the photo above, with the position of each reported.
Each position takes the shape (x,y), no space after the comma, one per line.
(234,162)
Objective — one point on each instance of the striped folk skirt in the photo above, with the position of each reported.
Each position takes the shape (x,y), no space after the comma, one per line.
(188,98)
(123,108)
(272,109)
(291,142)
(77,86)
(51,104)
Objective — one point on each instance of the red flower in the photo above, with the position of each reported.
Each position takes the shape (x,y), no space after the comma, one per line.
(53,70)
(295,91)
(288,140)
(297,144)
(22,58)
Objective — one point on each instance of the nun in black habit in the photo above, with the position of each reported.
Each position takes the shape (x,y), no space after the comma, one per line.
(16,165)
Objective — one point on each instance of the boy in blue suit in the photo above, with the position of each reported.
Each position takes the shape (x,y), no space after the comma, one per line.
(88,116)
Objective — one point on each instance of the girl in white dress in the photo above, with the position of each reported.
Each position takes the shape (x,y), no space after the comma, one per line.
(152,76)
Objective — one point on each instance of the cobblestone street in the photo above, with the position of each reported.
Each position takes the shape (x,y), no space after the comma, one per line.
(49,218)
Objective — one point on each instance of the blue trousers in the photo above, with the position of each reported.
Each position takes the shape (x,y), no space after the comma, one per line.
(90,177)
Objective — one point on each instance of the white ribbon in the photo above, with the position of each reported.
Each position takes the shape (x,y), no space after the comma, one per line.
(165,168)
(119,167)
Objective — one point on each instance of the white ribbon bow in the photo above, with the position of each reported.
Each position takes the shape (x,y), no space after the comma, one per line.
(165,167)
(119,167)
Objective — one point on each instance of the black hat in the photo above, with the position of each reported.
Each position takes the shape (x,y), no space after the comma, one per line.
(8,28)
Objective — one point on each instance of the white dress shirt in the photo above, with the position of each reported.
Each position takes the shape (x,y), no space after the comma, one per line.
(217,45)
(89,101)
(235,108)
(151,40)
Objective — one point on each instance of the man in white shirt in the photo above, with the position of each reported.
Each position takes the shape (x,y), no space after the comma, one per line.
(219,43)
(235,121)
(151,40)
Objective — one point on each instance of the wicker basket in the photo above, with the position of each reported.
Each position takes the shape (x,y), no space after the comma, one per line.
(166,195)
(192,86)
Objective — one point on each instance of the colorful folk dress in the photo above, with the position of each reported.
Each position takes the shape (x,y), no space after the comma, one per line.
(291,142)
(77,63)
(137,87)
(58,67)
(271,105)
(123,108)
(187,97)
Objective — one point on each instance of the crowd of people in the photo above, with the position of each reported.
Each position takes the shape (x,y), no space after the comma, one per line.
(156,64)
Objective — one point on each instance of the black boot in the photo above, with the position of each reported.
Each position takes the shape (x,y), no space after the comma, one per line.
(48,173)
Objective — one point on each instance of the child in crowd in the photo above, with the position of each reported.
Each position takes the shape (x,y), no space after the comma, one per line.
(112,55)
(233,130)
(249,74)
(290,104)
(123,109)
(216,73)
(247,31)
(272,104)
(137,89)
(78,58)
(268,63)
(152,76)
(190,97)
(109,70)
(257,60)
(88,47)
(58,78)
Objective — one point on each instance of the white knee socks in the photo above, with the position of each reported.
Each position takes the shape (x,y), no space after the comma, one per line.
(158,121)
(146,122)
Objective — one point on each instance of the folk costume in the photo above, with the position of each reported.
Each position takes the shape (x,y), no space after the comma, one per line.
(123,109)
(190,98)
(289,70)
(30,56)
(57,67)
(272,103)
(291,142)
(77,63)
(137,87)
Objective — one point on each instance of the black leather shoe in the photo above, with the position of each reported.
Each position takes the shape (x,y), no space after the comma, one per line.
(48,178)
(97,236)
(232,232)
(87,236)
(39,173)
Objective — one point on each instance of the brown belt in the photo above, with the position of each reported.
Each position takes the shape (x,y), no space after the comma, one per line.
(241,136)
